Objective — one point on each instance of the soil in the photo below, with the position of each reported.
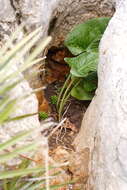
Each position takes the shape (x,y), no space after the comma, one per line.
(73,111)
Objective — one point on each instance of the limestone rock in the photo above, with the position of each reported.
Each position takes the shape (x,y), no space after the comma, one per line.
(104,125)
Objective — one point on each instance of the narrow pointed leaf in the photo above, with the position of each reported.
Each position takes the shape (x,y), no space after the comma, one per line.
(14,140)
(21,172)
(10,155)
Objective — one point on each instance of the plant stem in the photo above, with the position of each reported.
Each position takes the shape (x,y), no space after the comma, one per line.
(62,90)
(63,98)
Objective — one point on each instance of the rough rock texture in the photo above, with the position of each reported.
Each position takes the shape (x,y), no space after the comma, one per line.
(72,12)
(104,127)
(8,23)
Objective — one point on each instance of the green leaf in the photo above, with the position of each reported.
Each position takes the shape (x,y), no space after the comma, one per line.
(80,93)
(84,64)
(20,172)
(8,87)
(20,117)
(18,56)
(86,36)
(25,186)
(54,99)
(59,185)
(85,89)
(10,155)
(9,108)
(4,100)
(43,115)
(41,46)
(90,82)
(10,54)
(9,42)
(14,140)
(36,185)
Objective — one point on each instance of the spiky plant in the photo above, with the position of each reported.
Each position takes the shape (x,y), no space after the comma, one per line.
(17,177)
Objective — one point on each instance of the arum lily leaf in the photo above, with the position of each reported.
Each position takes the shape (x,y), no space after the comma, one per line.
(83,64)
(90,82)
(79,93)
(86,36)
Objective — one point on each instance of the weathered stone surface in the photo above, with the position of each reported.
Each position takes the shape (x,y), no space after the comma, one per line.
(7,13)
(104,127)
(8,23)
(72,12)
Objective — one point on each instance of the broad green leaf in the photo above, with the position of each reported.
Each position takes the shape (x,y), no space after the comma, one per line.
(90,82)
(93,46)
(83,64)
(79,93)
(86,36)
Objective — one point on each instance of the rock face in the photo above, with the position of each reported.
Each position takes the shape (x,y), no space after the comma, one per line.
(104,127)
(8,24)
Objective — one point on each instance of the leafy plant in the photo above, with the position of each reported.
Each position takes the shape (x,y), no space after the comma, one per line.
(83,42)
(43,115)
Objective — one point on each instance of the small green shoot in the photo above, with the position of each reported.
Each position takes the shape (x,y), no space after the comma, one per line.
(54,99)
(43,115)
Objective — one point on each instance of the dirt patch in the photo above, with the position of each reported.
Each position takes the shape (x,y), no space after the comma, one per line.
(73,110)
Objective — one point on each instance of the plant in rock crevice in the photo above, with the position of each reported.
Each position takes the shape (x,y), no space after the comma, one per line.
(82,42)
